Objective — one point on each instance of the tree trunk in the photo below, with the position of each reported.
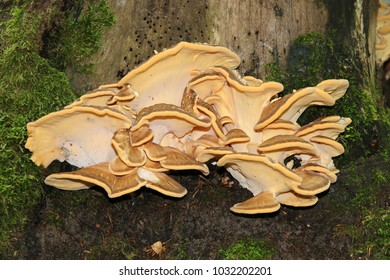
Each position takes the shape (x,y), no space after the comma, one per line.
(259,31)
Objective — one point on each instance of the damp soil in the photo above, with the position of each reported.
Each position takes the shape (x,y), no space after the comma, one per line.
(87,224)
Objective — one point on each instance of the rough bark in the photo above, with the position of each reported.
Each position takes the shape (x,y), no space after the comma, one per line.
(259,31)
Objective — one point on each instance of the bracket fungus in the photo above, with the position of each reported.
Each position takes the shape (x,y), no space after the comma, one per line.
(183,108)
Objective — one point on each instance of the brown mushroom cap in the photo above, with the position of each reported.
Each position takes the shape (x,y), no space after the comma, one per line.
(330,127)
(129,154)
(110,97)
(163,78)
(98,175)
(154,151)
(140,136)
(296,200)
(291,106)
(154,166)
(79,135)
(123,94)
(216,125)
(285,143)
(279,127)
(262,203)
(279,147)
(330,146)
(227,92)
(167,118)
(336,88)
(236,135)
(331,175)
(177,160)
(194,144)
(312,182)
(321,133)
(117,167)
(115,186)
(203,154)
(162,183)
(258,173)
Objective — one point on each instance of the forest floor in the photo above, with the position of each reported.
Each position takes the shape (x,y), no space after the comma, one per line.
(88,225)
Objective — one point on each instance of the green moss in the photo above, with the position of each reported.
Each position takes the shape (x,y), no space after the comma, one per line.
(179,250)
(374,235)
(30,87)
(247,250)
(111,248)
(78,36)
(370,232)
(368,188)
(370,239)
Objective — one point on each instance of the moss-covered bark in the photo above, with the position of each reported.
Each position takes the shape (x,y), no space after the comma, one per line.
(33,84)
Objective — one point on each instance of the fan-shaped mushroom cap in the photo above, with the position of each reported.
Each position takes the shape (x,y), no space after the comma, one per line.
(98,175)
(117,167)
(162,183)
(296,200)
(115,186)
(291,106)
(282,146)
(330,127)
(258,173)
(194,144)
(237,102)
(312,182)
(328,145)
(326,148)
(216,125)
(335,88)
(154,166)
(262,203)
(279,127)
(154,151)
(111,97)
(203,154)
(167,118)
(236,135)
(80,135)
(124,93)
(97,98)
(331,175)
(163,78)
(130,154)
(178,160)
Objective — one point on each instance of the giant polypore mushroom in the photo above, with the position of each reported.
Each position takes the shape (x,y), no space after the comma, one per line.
(187,106)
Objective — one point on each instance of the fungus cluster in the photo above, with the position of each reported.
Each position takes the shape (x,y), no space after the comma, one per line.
(382,46)
(185,107)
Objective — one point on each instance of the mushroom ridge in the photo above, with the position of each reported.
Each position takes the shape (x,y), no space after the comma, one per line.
(130,134)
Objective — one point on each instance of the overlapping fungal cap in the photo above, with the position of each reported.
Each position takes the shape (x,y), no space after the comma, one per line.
(187,106)
(383,34)
(236,100)
(138,162)
(306,151)
(79,135)
(163,78)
